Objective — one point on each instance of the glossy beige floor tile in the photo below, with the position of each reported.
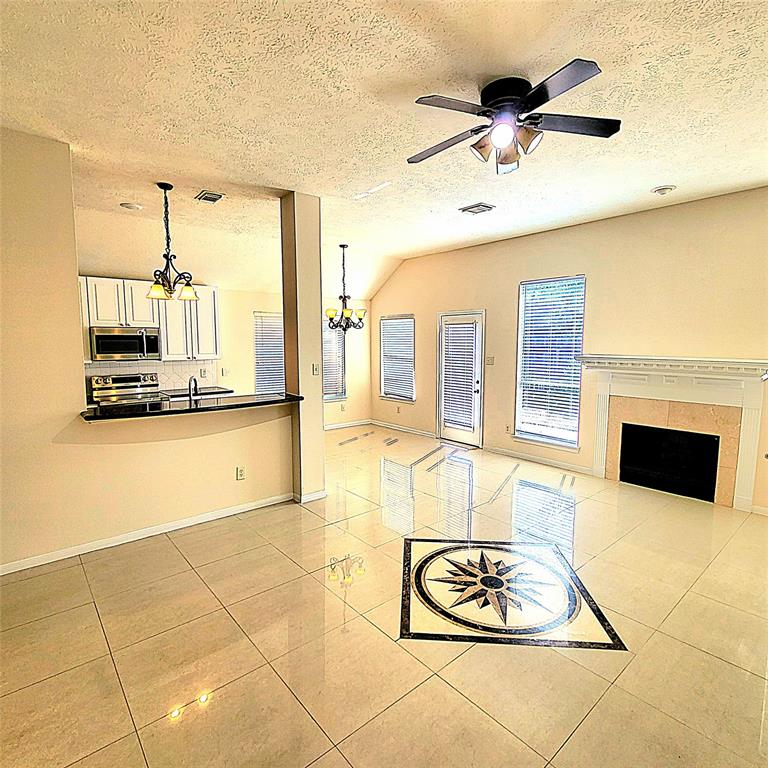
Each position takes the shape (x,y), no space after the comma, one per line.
(45,647)
(748,549)
(371,579)
(734,586)
(609,664)
(124,753)
(240,576)
(285,617)
(64,718)
(172,669)
(434,653)
(628,592)
(218,543)
(394,548)
(379,526)
(331,759)
(129,547)
(459,735)
(356,665)
(338,505)
(40,570)
(120,572)
(152,608)
(728,633)
(536,693)
(624,732)
(715,698)
(253,721)
(41,596)
(314,549)
(282,520)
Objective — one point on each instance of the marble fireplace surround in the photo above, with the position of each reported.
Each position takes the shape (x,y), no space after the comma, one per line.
(716,396)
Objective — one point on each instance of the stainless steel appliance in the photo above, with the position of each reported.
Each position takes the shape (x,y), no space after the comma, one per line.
(124,389)
(125,343)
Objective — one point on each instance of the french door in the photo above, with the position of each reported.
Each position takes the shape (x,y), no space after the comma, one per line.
(460,379)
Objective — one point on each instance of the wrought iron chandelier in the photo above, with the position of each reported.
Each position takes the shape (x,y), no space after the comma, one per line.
(344,321)
(168,278)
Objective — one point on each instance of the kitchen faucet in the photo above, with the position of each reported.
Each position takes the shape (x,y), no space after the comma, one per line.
(193,389)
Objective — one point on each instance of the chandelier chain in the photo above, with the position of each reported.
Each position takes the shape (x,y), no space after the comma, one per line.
(167,223)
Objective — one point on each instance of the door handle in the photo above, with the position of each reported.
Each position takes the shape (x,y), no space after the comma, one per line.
(143,335)
(477,391)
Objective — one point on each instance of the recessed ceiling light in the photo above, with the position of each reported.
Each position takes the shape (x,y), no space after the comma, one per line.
(370,191)
(664,189)
(476,208)
(131,206)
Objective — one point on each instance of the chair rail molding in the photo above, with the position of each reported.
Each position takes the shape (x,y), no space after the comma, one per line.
(709,381)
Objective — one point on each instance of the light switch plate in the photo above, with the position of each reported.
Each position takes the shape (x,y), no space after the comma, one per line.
(490,360)
(315,369)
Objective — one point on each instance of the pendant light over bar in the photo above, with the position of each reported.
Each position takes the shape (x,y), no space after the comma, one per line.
(344,321)
(168,278)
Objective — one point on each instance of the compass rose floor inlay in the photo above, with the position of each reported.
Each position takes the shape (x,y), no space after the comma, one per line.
(498,592)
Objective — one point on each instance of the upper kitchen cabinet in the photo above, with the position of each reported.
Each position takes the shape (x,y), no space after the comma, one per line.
(140,312)
(175,330)
(205,323)
(106,302)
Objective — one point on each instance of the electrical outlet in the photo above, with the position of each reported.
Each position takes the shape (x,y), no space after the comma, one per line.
(509,429)
(239,473)
(490,360)
(203,373)
(225,371)
(398,409)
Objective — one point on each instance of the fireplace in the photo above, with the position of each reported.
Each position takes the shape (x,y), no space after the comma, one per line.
(672,460)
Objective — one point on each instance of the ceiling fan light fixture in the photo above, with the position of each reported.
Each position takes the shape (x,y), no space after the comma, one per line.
(529,139)
(482,148)
(507,160)
(502,134)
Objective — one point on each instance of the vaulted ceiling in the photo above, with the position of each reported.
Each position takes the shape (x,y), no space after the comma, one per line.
(251,98)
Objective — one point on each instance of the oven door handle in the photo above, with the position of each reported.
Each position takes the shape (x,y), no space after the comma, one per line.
(143,333)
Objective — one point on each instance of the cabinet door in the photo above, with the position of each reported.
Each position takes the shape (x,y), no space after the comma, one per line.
(205,323)
(106,304)
(140,312)
(175,330)
(84,319)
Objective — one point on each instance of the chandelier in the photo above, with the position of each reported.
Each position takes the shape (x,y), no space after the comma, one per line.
(344,321)
(168,278)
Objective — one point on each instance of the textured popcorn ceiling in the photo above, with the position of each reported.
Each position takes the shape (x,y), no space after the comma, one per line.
(250,98)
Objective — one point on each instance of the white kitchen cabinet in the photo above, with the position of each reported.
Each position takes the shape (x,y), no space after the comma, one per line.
(106,303)
(204,314)
(175,330)
(140,312)
(84,319)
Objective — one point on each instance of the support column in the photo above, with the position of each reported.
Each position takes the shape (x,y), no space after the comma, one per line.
(302,324)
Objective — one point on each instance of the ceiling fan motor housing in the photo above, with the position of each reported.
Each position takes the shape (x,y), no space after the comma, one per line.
(507,92)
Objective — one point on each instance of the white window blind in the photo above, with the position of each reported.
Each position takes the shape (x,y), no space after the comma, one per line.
(458,381)
(397,358)
(268,353)
(550,334)
(334,373)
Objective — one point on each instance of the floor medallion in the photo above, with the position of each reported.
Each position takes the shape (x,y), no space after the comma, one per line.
(498,592)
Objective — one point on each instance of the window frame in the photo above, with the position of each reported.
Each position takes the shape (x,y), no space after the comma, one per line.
(335,397)
(382,394)
(529,436)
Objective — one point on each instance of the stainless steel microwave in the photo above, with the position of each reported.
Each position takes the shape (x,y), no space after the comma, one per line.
(125,343)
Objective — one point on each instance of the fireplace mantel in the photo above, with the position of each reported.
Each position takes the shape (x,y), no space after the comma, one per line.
(712,381)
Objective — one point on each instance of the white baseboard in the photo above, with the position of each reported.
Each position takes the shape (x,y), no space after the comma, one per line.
(541,460)
(744,504)
(402,429)
(142,533)
(759,510)
(301,499)
(346,424)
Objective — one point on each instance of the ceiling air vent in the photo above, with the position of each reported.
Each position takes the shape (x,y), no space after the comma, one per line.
(206,196)
(477,208)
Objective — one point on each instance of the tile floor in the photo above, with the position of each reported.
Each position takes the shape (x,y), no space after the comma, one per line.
(254,640)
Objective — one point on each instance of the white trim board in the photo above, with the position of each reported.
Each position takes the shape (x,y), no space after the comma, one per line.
(540,460)
(142,533)
(346,424)
(759,510)
(301,499)
(386,425)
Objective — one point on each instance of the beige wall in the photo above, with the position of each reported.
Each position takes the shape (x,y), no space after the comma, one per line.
(357,405)
(688,280)
(65,482)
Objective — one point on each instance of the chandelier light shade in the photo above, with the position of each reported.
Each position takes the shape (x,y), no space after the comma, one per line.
(482,149)
(344,319)
(169,278)
(508,159)
(529,138)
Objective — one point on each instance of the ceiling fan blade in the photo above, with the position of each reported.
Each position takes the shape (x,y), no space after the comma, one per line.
(586,126)
(457,139)
(569,76)
(457,105)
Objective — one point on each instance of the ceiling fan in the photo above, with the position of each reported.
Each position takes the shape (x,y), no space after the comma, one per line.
(510,104)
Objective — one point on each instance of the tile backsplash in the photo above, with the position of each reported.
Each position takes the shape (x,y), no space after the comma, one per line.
(171,375)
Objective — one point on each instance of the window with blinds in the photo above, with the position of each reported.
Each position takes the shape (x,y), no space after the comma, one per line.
(550,334)
(334,374)
(268,353)
(397,358)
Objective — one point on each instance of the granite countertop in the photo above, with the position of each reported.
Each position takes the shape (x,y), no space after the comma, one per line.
(172,407)
(207,391)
